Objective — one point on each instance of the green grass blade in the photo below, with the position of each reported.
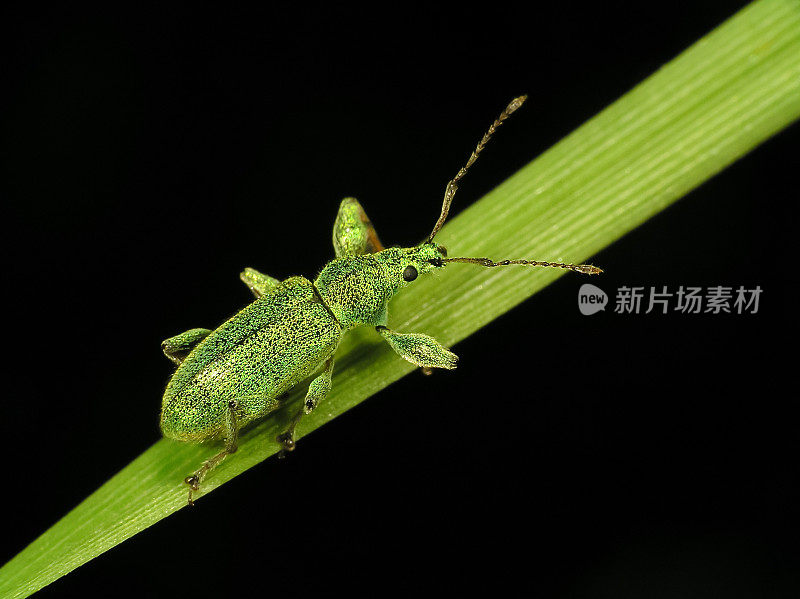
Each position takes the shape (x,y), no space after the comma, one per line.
(715,102)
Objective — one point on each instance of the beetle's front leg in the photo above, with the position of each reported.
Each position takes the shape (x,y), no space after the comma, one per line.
(317,391)
(231,438)
(419,349)
(353,232)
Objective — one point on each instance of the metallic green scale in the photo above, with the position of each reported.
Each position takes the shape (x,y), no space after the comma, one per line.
(265,349)
(279,340)
(357,290)
(235,374)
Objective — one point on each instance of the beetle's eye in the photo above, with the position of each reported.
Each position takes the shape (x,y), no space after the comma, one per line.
(410,273)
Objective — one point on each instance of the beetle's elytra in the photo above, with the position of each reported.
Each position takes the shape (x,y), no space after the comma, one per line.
(235,374)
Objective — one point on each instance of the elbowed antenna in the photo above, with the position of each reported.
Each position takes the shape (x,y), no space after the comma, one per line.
(586,269)
(452,186)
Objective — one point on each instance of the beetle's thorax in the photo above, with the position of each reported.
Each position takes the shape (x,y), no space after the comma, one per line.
(355,289)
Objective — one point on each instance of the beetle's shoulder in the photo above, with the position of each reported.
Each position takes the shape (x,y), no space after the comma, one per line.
(264,311)
(260,314)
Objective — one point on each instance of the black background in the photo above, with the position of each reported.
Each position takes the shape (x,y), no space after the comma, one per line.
(147,156)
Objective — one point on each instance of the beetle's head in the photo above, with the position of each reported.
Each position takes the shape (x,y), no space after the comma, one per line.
(419,260)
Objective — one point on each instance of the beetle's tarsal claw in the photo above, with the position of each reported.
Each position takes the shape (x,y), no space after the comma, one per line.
(193,486)
(286,440)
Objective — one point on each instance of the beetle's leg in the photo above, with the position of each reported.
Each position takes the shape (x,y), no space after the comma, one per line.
(419,349)
(231,438)
(260,284)
(389,334)
(317,391)
(178,347)
(353,233)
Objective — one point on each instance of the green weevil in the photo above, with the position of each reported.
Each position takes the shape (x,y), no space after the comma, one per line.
(237,373)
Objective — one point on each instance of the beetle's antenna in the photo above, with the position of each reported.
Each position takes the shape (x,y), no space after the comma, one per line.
(586,269)
(452,186)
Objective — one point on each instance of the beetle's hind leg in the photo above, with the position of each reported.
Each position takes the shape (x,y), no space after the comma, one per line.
(231,439)
(317,391)
(259,283)
(178,347)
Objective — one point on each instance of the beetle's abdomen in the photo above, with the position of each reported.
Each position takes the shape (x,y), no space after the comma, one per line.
(267,348)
